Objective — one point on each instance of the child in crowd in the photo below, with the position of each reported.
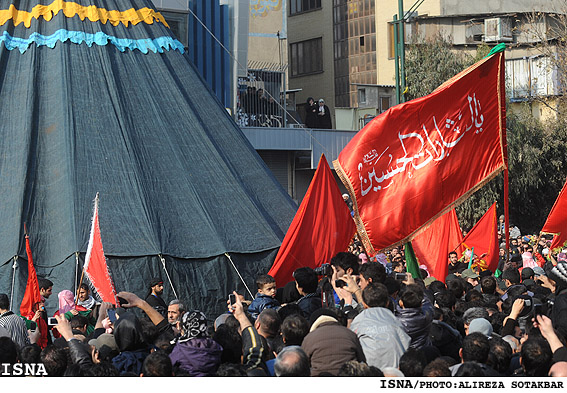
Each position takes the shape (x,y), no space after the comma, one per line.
(266,295)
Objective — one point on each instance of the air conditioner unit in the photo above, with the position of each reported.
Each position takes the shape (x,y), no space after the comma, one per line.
(497,30)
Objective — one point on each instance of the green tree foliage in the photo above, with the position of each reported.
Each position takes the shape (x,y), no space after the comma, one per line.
(537,151)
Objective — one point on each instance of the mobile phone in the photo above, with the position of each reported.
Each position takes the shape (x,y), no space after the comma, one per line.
(51,321)
(340,283)
(401,276)
(121,300)
(232,299)
(33,326)
(111,314)
(538,310)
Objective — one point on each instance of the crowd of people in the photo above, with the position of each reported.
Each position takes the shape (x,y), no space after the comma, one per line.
(356,316)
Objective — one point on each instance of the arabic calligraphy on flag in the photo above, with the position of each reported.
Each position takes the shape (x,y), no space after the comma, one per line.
(417,160)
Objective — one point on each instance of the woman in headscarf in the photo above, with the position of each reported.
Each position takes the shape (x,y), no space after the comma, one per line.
(194,351)
(68,308)
(130,342)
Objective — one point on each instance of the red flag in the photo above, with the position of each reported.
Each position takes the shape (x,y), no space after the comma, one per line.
(556,222)
(95,263)
(484,238)
(416,161)
(432,246)
(321,228)
(31,296)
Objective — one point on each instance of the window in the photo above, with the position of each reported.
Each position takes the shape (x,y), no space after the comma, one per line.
(362,96)
(299,6)
(306,57)
(384,104)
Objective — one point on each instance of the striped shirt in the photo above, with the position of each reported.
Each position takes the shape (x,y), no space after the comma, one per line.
(17,328)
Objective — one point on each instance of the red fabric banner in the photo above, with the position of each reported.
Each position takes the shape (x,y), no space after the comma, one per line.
(484,238)
(556,222)
(31,296)
(432,246)
(95,263)
(321,228)
(416,161)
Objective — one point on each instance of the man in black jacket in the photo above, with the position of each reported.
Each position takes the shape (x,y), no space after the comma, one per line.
(154,297)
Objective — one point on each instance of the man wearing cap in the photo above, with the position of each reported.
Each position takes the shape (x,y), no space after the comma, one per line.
(105,348)
(154,296)
(470,276)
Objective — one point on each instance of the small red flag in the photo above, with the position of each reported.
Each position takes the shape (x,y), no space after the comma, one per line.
(95,267)
(432,246)
(31,296)
(556,222)
(484,238)
(321,228)
(416,161)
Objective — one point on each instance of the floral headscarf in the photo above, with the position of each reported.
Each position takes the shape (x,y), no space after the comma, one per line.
(193,325)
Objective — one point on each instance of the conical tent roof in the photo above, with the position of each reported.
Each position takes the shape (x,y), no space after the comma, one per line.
(98,96)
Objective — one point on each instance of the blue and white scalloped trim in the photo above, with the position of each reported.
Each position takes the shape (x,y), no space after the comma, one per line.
(145,45)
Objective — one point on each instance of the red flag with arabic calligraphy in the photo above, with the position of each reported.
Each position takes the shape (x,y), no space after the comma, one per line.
(419,159)
(556,222)
(432,246)
(321,228)
(483,237)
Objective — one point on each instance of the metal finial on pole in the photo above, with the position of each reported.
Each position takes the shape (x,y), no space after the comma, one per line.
(167,274)
(239,275)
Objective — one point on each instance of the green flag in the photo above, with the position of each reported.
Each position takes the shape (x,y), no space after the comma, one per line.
(411,261)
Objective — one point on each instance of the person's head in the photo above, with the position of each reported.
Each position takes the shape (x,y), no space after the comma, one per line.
(4,302)
(102,369)
(294,329)
(30,354)
(371,272)
(83,292)
(266,285)
(513,342)
(375,295)
(437,368)
(437,286)
(230,341)
(345,263)
(45,287)
(292,362)
(8,351)
(453,257)
(514,242)
(475,348)
(536,357)
(511,277)
(488,285)
(157,364)
(156,286)
(268,323)
(411,296)
(175,311)
(470,369)
(352,368)
(412,363)
(470,276)
(445,299)
(193,325)
(527,273)
(79,322)
(55,360)
(473,313)
(321,102)
(305,280)
(397,266)
(457,287)
(500,355)
(310,101)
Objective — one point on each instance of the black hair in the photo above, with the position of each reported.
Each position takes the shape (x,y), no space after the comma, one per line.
(306,279)
(437,286)
(452,252)
(231,370)
(412,363)
(500,355)
(376,295)
(84,286)
(475,348)
(157,364)
(102,369)
(79,321)
(231,343)
(270,321)
(470,369)
(8,351)
(457,287)
(411,295)
(473,296)
(374,271)
(30,354)
(4,301)
(294,329)
(346,260)
(445,299)
(488,285)
(392,284)
(44,283)
(536,357)
(288,309)
(263,280)
(511,275)
(55,360)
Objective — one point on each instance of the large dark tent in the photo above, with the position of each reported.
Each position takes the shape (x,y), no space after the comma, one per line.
(97,96)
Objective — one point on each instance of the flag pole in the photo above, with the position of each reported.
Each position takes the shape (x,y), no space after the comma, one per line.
(76,270)
(167,274)
(506,215)
(79,286)
(239,275)
(14,266)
